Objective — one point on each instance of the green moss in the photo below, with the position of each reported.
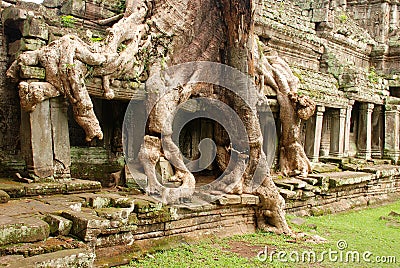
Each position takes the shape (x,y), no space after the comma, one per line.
(68,21)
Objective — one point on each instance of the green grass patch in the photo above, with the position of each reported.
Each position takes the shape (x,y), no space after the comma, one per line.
(362,231)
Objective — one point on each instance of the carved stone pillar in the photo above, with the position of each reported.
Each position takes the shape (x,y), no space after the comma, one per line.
(392,128)
(326,133)
(346,148)
(313,134)
(377,132)
(45,140)
(60,135)
(365,130)
(338,125)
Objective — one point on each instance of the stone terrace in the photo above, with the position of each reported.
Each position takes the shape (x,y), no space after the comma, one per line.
(44,226)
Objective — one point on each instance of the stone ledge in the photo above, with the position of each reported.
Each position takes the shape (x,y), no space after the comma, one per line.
(22,230)
(64,258)
(16,189)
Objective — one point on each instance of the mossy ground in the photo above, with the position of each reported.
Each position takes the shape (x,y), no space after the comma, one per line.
(362,230)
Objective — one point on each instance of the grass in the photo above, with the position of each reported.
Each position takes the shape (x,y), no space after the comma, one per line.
(362,231)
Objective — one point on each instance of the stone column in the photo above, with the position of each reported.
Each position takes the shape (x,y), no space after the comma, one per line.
(346,148)
(338,125)
(326,134)
(377,132)
(365,130)
(60,135)
(392,128)
(45,140)
(313,134)
(37,141)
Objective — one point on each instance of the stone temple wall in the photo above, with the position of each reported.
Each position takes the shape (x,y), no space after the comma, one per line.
(340,61)
(9,106)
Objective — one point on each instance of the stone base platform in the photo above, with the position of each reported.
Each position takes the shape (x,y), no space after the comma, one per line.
(117,226)
(17,190)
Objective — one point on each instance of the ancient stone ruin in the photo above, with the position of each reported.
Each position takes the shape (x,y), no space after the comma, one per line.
(85,178)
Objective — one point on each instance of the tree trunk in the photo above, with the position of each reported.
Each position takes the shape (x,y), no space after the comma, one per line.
(239,20)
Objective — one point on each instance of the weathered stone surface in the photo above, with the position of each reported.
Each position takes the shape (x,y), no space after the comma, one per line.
(114,214)
(229,199)
(37,28)
(31,44)
(78,258)
(287,194)
(58,225)
(13,13)
(4,197)
(60,135)
(86,226)
(13,230)
(44,189)
(99,201)
(248,199)
(29,72)
(347,177)
(79,186)
(74,7)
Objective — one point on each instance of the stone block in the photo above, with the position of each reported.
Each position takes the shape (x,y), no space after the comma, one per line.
(287,194)
(22,230)
(74,7)
(62,258)
(99,202)
(4,197)
(31,44)
(52,3)
(58,225)
(125,238)
(31,72)
(230,199)
(44,189)
(114,214)
(36,28)
(79,186)
(347,178)
(13,190)
(320,15)
(248,199)
(85,225)
(14,14)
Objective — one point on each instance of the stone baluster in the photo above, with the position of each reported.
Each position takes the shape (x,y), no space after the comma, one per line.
(313,134)
(337,132)
(346,149)
(365,131)
(392,129)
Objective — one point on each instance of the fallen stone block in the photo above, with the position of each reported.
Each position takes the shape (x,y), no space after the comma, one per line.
(4,197)
(58,225)
(85,225)
(78,258)
(287,194)
(22,230)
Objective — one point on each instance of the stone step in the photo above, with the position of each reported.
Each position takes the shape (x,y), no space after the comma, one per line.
(17,189)
(63,258)
(22,230)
